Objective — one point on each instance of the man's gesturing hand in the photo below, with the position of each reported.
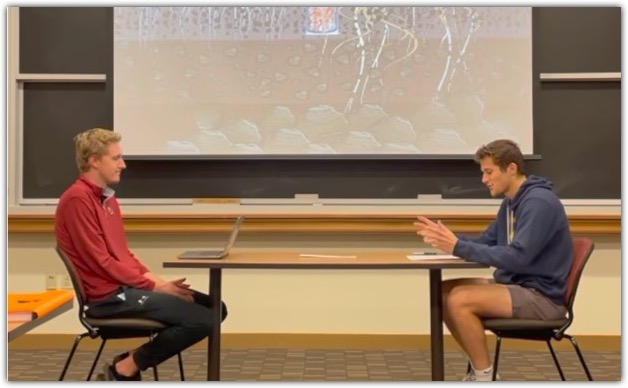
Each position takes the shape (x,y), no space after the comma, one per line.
(436,234)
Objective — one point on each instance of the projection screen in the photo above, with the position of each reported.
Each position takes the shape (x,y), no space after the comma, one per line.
(237,81)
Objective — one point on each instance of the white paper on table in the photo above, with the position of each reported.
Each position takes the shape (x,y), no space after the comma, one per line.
(415,257)
(317,256)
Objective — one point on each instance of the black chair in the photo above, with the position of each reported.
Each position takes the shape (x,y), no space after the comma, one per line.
(546,330)
(107,328)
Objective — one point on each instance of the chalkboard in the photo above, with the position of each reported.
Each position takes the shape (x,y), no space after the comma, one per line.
(577,125)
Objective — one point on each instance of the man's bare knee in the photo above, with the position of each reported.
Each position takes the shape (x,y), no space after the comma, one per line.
(484,300)
(460,297)
(448,285)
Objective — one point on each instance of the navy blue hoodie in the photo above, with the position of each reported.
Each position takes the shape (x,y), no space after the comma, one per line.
(541,251)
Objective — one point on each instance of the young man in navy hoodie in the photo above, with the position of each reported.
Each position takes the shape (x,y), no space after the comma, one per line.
(90,231)
(529,244)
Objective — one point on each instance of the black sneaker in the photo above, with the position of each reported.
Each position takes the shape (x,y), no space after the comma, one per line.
(110,374)
(122,356)
(119,357)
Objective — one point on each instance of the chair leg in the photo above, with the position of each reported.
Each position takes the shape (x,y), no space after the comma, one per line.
(181,366)
(67,362)
(560,370)
(498,345)
(91,370)
(577,348)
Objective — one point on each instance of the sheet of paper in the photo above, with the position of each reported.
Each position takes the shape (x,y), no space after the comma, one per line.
(432,257)
(315,256)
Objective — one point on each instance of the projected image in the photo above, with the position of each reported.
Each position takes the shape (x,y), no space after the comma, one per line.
(321,80)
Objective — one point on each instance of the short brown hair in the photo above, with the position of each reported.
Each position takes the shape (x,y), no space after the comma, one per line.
(503,152)
(94,141)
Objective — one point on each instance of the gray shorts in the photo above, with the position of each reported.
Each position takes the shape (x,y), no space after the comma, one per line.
(528,303)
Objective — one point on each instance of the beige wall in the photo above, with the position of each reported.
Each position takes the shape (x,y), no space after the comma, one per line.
(318,301)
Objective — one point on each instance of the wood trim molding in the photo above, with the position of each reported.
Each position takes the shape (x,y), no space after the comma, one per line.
(318,341)
(301,222)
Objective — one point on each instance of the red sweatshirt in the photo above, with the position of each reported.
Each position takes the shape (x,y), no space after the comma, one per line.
(89,229)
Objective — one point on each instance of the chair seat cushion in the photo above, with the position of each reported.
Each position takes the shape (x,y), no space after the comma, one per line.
(115,328)
(509,324)
(126,323)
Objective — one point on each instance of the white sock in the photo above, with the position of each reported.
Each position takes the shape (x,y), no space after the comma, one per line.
(488,372)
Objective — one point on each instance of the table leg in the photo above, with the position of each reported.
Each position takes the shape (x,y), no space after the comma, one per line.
(213,344)
(436,325)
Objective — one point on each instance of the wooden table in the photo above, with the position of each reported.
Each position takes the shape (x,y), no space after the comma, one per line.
(16,329)
(376,260)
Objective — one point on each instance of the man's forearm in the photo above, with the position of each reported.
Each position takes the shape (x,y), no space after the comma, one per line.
(158,281)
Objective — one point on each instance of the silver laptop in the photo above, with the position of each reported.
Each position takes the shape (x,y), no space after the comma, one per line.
(215,253)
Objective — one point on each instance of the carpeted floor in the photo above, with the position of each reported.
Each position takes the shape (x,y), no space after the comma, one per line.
(321,365)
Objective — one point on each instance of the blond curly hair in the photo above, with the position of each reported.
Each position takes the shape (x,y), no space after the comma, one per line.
(94,141)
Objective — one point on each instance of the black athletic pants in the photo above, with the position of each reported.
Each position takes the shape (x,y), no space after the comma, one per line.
(188,322)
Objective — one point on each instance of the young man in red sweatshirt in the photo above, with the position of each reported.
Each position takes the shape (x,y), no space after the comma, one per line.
(90,230)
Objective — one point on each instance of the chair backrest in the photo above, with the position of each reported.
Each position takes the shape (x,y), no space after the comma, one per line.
(583,247)
(78,289)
